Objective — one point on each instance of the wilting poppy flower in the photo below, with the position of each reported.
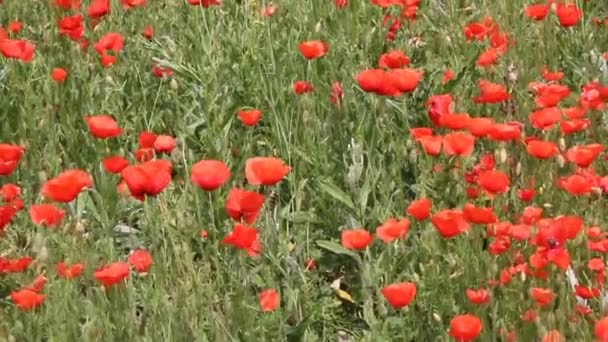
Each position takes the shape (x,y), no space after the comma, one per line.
(69,272)
(537,11)
(458,143)
(148,32)
(568,15)
(302,87)
(164,144)
(17,49)
(265,170)
(313,49)
(10,155)
(541,296)
(161,71)
(465,328)
(98,8)
(241,237)
(244,205)
(205,3)
(249,117)
(491,93)
(494,181)
(269,300)
(477,296)
(127,4)
(66,186)
(209,175)
(399,295)
(71,26)
(393,229)
(336,93)
(393,60)
(542,149)
(102,126)
(112,274)
(356,238)
(140,260)
(59,75)
(115,164)
(27,299)
(149,178)
(420,209)
(46,215)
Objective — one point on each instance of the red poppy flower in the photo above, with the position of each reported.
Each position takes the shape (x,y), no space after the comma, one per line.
(127,4)
(241,237)
(393,229)
(244,205)
(107,60)
(465,328)
(115,164)
(583,156)
(149,178)
(356,238)
(480,127)
(488,57)
(313,49)
(143,155)
(46,215)
(38,283)
(568,15)
(371,80)
(111,41)
(17,49)
(477,31)
(542,149)
(59,75)
(553,336)
(454,121)
(27,299)
(10,155)
(596,264)
(67,4)
(9,192)
(161,71)
(98,8)
(536,12)
(491,93)
(69,272)
(405,80)
(140,260)
(205,3)
(541,296)
(146,139)
(66,186)
(269,300)
(420,209)
(399,295)
(551,76)
(249,117)
(341,3)
(148,32)
(505,132)
(112,274)
(302,87)
(458,143)
(14,26)
(601,329)
(478,296)
(450,222)
(209,175)
(265,170)
(478,215)
(71,26)
(494,181)
(393,60)
(586,292)
(448,75)
(164,144)
(102,126)
(550,95)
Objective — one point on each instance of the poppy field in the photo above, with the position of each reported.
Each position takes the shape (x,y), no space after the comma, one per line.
(319,170)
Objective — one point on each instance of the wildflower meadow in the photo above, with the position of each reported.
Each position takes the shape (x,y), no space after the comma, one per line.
(311,170)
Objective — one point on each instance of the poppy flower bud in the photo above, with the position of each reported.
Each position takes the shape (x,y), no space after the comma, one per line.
(413,155)
(173,84)
(518,169)
(502,155)
(436,317)
(318,27)
(562,144)
(561,161)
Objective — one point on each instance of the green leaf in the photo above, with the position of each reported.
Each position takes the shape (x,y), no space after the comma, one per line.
(337,194)
(301,217)
(337,249)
